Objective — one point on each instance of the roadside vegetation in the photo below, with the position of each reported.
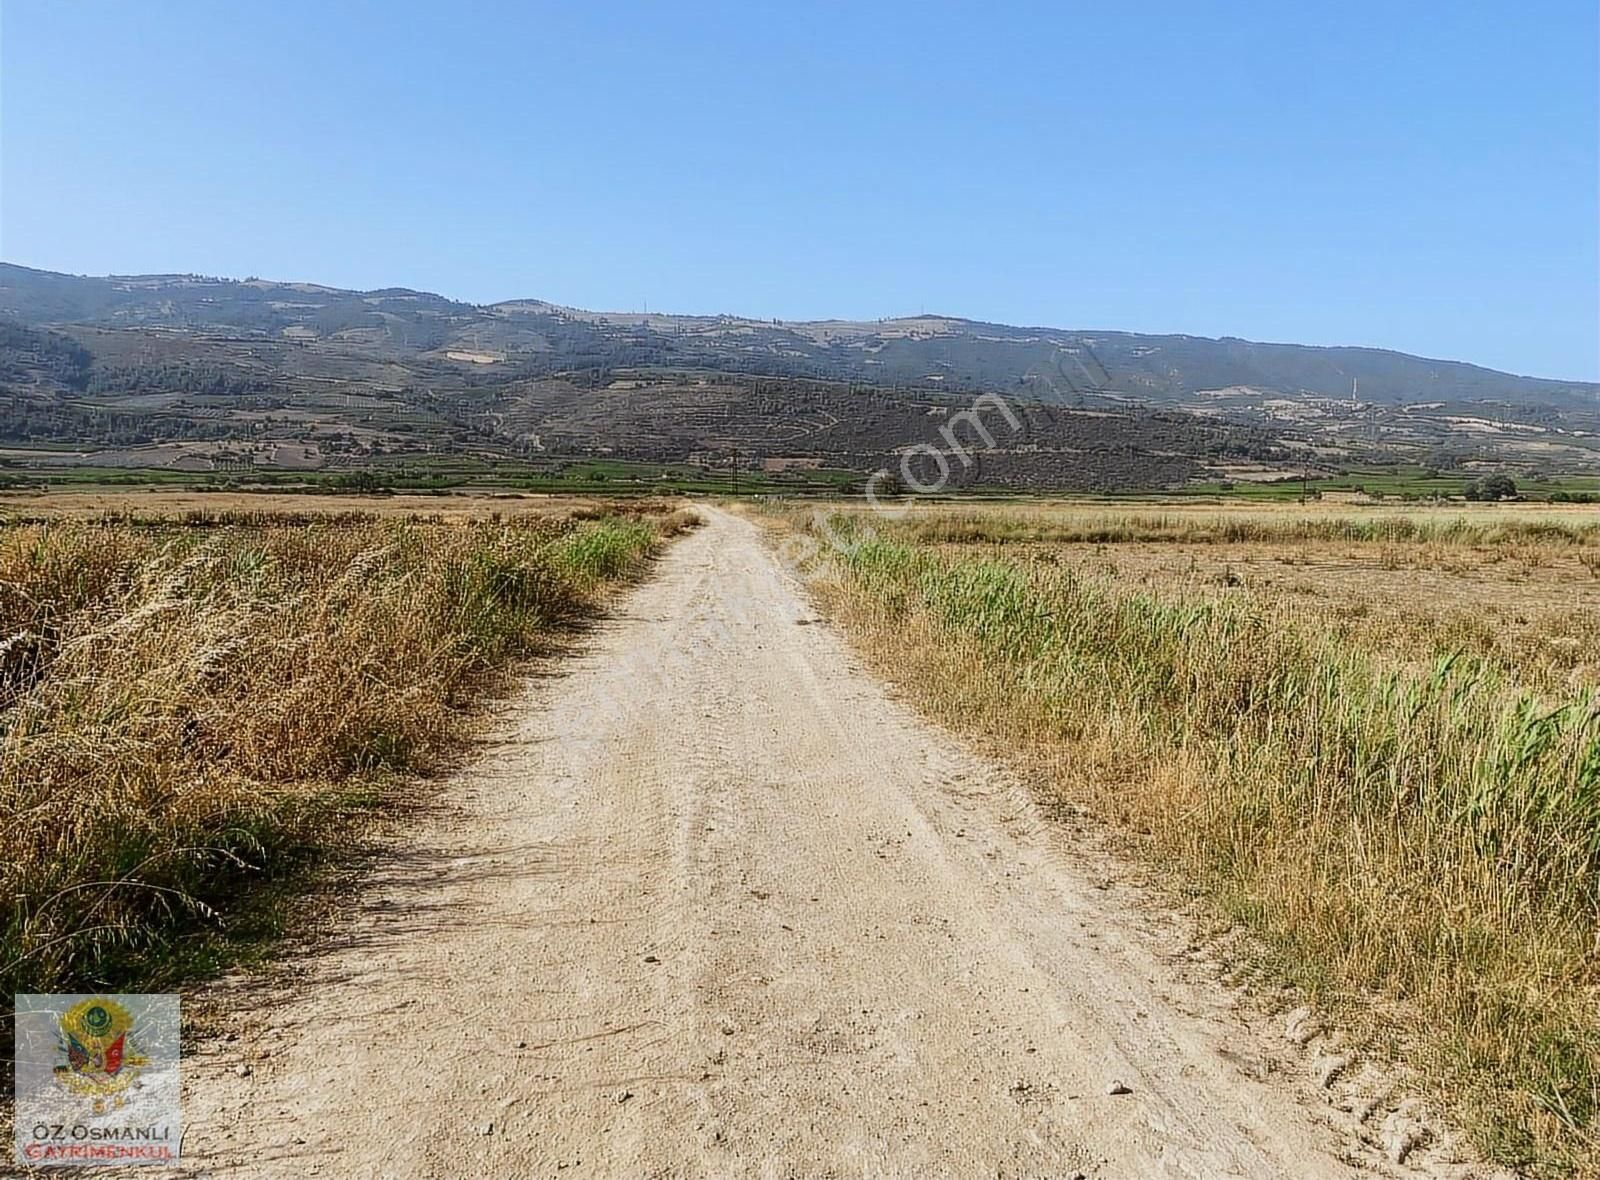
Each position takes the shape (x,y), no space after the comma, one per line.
(1400,799)
(191,707)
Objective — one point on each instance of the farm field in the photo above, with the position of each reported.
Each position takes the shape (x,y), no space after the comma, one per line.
(1396,482)
(1368,736)
(196,703)
(1196,763)
(40,471)
(175,504)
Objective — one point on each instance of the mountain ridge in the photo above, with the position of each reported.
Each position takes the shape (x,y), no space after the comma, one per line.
(933,351)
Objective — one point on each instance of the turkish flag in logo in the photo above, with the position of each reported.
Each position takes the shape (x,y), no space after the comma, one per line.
(114,1054)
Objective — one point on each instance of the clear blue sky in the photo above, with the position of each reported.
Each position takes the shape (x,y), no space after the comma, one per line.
(1412,176)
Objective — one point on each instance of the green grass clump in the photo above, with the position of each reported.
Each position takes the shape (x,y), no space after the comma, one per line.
(603,552)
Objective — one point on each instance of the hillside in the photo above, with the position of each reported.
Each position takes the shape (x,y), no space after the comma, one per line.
(1051,363)
(255,373)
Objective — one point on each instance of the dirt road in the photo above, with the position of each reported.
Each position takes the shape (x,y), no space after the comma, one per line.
(710,903)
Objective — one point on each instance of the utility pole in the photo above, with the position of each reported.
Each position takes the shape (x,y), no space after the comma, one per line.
(736,471)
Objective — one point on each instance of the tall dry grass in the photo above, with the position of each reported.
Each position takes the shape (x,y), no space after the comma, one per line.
(185,706)
(1418,847)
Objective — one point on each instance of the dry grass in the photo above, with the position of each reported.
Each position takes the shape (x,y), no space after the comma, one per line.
(1405,809)
(1528,608)
(1081,524)
(169,502)
(186,704)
